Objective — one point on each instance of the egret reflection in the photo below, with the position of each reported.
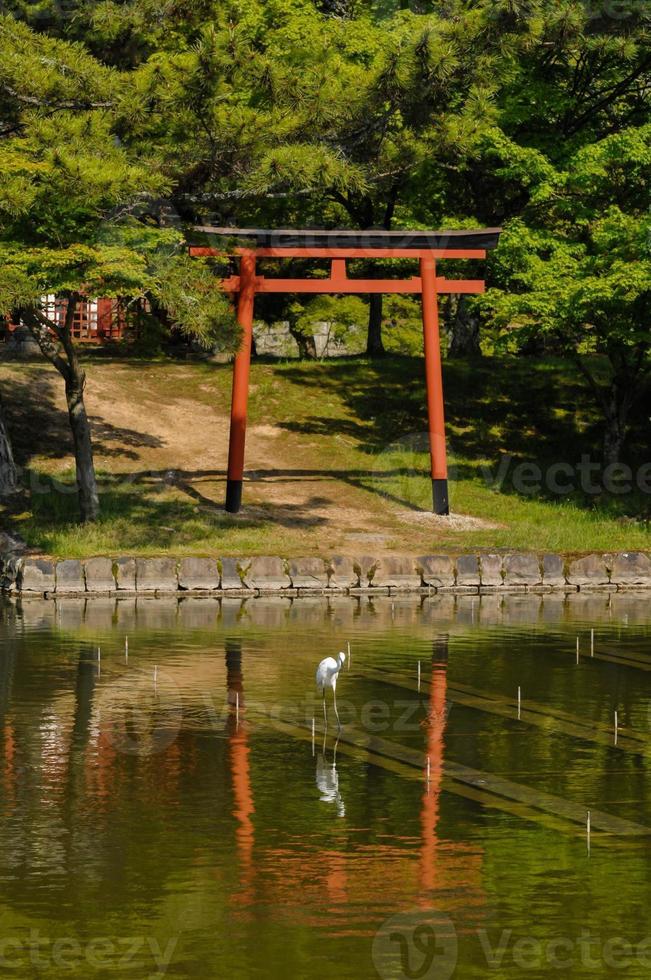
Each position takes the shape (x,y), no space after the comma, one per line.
(327,779)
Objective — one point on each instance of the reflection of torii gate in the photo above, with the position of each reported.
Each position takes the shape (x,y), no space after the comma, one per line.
(338,246)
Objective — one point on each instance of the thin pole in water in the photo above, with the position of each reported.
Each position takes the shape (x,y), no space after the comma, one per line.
(428,768)
(519,701)
(587,827)
(419,675)
(616,726)
(592,643)
(348,646)
(99,661)
(577,649)
(126,649)
(237,709)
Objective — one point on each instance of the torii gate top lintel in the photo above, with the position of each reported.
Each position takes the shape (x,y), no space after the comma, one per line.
(338,245)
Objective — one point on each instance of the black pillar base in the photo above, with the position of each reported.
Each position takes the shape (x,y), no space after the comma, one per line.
(233,496)
(440,497)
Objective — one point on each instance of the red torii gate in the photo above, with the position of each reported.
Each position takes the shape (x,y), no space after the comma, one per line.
(338,246)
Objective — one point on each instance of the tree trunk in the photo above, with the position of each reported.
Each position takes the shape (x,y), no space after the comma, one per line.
(8,473)
(462,329)
(613,442)
(374,345)
(617,404)
(83,443)
(56,344)
(305,343)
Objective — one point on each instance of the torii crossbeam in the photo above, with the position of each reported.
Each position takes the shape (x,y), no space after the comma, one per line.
(252,244)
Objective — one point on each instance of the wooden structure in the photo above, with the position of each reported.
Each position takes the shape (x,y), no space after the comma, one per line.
(96,320)
(428,247)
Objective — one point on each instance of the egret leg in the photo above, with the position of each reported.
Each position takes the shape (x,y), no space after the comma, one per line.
(334,699)
(325,713)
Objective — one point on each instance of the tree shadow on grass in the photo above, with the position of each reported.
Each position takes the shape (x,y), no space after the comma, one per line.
(524,409)
(38,427)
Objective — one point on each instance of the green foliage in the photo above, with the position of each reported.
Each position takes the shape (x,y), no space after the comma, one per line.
(72,195)
(341,312)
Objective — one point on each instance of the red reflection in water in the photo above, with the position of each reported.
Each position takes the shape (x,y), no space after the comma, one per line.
(9,768)
(435,751)
(239,751)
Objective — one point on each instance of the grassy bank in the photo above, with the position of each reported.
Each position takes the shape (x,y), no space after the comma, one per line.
(336,460)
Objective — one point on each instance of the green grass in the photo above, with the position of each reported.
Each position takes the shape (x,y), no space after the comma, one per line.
(343,430)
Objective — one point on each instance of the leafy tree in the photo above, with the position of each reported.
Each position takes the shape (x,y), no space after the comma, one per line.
(576,269)
(70,197)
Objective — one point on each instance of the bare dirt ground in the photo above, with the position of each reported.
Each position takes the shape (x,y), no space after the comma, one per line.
(168,426)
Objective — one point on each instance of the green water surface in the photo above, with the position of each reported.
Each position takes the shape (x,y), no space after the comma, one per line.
(166,811)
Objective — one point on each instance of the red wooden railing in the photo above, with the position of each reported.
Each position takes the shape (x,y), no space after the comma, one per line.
(96,320)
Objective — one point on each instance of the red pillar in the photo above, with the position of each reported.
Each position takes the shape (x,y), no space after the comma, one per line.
(240,396)
(434,382)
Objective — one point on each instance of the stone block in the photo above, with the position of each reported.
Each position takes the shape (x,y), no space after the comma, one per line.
(70,576)
(553,570)
(230,574)
(125,574)
(267,574)
(99,575)
(156,575)
(588,571)
(437,570)
(367,568)
(522,569)
(342,573)
(396,572)
(468,570)
(308,573)
(36,575)
(631,568)
(9,573)
(490,569)
(199,574)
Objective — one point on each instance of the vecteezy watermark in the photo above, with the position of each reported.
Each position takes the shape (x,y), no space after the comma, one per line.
(416,945)
(401,473)
(423,944)
(615,9)
(375,716)
(147,955)
(144,714)
(563,478)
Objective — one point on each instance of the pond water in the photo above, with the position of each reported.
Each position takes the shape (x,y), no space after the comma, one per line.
(166,810)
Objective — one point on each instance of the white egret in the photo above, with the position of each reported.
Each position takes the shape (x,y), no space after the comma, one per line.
(326,677)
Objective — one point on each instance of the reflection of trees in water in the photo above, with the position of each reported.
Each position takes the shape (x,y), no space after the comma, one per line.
(96,792)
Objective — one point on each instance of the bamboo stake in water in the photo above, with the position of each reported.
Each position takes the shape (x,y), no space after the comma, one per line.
(519,702)
(616,726)
(237,709)
(99,661)
(592,643)
(419,675)
(428,768)
(126,649)
(348,646)
(577,649)
(587,827)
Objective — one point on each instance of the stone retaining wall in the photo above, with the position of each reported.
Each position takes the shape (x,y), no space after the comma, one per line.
(469,574)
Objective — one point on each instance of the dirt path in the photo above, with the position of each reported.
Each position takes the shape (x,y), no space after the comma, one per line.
(163,423)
